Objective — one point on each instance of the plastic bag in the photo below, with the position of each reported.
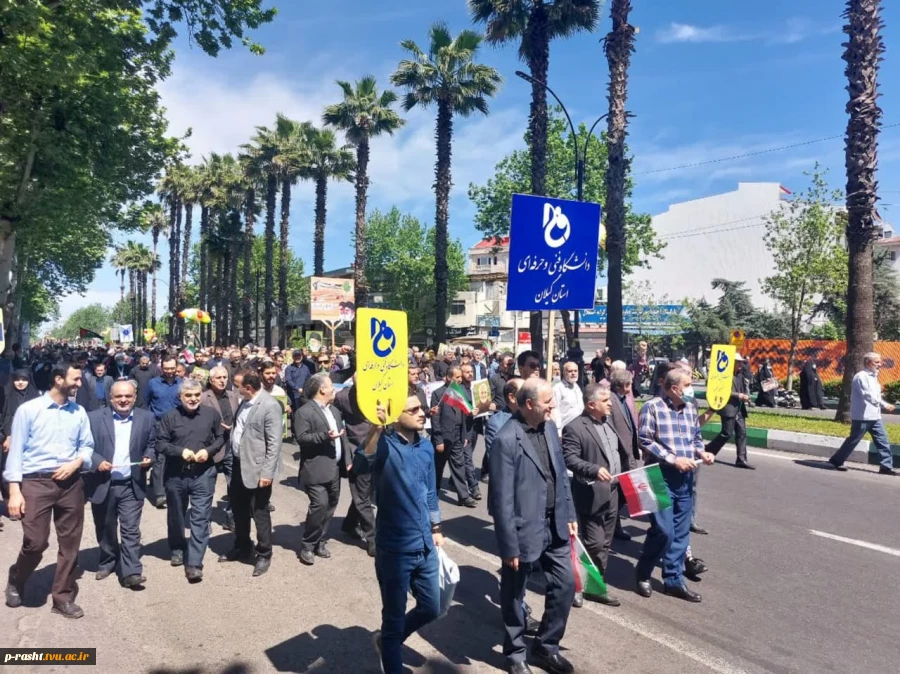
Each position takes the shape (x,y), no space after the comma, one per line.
(448,578)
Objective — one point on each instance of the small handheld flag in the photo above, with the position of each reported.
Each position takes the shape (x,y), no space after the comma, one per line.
(455,397)
(645,490)
(588,578)
(89,334)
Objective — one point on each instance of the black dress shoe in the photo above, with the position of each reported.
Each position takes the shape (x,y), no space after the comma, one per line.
(228,524)
(262,565)
(578,600)
(68,610)
(307,557)
(484,479)
(177,558)
(644,588)
(519,668)
(103,573)
(532,626)
(370,547)
(323,552)
(469,503)
(271,507)
(194,574)
(477,496)
(698,530)
(682,592)
(605,599)
(160,503)
(745,465)
(621,535)
(13,595)
(838,466)
(238,555)
(887,471)
(133,581)
(693,567)
(555,664)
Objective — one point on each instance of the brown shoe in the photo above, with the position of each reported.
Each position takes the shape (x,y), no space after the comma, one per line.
(68,610)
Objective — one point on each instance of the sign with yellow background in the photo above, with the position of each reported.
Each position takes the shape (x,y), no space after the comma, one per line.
(382,362)
(721,375)
(737,339)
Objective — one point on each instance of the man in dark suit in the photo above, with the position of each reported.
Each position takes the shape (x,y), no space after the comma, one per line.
(594,453)
(451,435)
(506,372)
(734,419)
(534,517)
(440,456)
(320,436)
(124,445)
(624,424)
(101,383)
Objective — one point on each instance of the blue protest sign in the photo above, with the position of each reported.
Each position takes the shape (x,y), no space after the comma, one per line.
(553,246)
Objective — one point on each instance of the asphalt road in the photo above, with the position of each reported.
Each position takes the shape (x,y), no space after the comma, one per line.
(778,598)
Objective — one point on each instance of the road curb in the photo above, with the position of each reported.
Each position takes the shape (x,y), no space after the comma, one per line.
(822,446)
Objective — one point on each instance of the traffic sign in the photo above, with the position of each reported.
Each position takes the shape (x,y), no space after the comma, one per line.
(721,376)
(553,247)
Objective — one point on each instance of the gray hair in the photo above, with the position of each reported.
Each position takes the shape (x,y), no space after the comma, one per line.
(619,379)
(595,391)
(675,376)
(617,365)
(871,356)
(530,390)
(189,385)
(314,384)
(218,369)
(132,382)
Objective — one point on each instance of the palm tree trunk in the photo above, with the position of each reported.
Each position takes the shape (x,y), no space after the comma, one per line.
(248,259)
(146,309)
(173,265)
(185,252)
(217,297)
(319,237)
(442,185)
(233,285)
(153,307)
(863,52)
(283,262)
(539,64)
(271,195)
(179,322)
(121,285)
(225,304)
(206,329)
(204,235)
(619,47)
(135,328)
(362,187)
(132,297)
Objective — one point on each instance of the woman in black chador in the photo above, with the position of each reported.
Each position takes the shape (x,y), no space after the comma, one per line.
(811,392)
(20,389)
(765,398)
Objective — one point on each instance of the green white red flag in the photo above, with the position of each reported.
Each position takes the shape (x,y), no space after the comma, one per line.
(588,578)
(455,397)
(645,490)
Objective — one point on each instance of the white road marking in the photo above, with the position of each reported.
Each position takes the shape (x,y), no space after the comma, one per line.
(854,541)
(679,646)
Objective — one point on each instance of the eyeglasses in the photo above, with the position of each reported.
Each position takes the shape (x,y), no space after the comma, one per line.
(323,362)
(190,395)
(413,410)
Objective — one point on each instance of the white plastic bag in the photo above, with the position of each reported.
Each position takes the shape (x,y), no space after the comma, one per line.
(448,578)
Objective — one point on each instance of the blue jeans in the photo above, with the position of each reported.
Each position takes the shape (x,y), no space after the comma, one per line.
(397,572)
(670,531)
(197,489)
(858,430)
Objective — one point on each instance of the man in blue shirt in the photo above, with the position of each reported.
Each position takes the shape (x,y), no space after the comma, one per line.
(407,528)
(51,443)
(162,398)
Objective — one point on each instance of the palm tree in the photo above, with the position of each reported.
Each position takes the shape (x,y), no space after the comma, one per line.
(253,182)
(862,52)
(121,264)
(169,193)
(261,152)
(142,261)
(448,77)
(362,115)
(191,187)
(325,161)
(155,222)
(619,46)
(132,257)
(534,23)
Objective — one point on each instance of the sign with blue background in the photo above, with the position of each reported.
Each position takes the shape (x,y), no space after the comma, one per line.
(553,247)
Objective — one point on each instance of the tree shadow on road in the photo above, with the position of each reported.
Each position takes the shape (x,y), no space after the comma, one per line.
(234,668)
(471,530)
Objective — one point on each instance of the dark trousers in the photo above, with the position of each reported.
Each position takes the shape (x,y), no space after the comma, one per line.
(736,426)
(226,467)
(63,501)
(247,504)
(360,513)
(858,430)
(121,511)
(556,563)
(458,470)
(323,499)
(156,488)
(196,489)
(670,531)
(440,464)
(398,572)
(597,530)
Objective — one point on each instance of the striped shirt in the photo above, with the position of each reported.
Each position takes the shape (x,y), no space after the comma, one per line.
(668,432)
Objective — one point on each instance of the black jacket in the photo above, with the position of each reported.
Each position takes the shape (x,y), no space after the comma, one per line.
(735,405)
(318,464)
(143,445)
(585,456)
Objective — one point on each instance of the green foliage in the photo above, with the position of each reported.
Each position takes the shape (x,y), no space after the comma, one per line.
(405,274)
(212,24)
(94,317)
(512,175)
(120,314)
(829,330)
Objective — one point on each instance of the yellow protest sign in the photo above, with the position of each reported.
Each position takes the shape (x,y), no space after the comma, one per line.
(737,339)
(382,362)
(721,375)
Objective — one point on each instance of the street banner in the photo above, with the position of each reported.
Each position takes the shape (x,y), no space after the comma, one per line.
(314,341)
(737,339)
(126,334)
(382,363)
(721,375)
(553,248)
(331,299)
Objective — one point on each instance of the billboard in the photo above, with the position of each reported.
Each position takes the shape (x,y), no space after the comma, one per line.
(331,299)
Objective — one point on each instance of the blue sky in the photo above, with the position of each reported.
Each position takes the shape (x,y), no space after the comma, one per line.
(708,80)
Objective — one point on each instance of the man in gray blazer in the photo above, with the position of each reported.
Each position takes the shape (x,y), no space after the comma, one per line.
(255,446)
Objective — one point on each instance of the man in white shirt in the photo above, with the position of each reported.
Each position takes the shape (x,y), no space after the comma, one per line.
(865,414)
(568,397)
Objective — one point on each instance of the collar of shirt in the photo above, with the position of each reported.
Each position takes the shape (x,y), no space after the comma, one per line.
(52,404)
(119,417)
(526,427)
(671,405)
(320,404)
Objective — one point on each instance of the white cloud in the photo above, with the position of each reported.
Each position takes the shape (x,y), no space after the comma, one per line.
(685,32)
(794,30)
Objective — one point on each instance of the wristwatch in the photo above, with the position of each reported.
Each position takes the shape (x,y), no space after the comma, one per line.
(436,529)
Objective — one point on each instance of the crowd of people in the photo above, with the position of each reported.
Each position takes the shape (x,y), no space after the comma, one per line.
(90,426)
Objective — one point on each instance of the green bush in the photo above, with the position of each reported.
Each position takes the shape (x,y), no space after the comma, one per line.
(891,392)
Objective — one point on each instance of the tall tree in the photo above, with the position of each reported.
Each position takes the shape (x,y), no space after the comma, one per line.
(120,263)
(156,223)
(252,183)
(535,23)
(190,178)
(862,53)
(169,190)
(325,161)
(619,46)
(449,78)
(362,115)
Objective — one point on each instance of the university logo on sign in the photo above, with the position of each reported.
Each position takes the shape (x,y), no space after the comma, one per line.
(382,362)
(721,376)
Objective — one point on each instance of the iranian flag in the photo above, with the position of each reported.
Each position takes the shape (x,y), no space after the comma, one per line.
(645,490)
(456,397)
(588,578)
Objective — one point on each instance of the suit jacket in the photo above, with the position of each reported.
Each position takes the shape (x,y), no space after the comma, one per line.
(437,436)
(143,445)
(585,456)
(318,464)
(735,405)
(518,494)
(450,428)
(625,426)
(107,386)
(209,399)
(260,448)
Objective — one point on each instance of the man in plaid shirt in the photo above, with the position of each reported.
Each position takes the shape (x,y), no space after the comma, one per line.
(669,434)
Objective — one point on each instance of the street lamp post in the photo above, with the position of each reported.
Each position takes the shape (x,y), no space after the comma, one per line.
(580,157)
